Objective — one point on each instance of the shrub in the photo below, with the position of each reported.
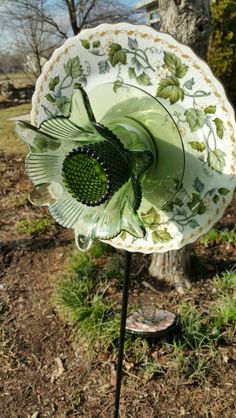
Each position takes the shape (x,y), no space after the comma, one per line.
(222,49)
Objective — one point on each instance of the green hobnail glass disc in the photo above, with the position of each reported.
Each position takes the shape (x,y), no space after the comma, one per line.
(93,173)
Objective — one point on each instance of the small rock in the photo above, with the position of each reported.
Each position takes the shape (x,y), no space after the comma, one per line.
(35,415)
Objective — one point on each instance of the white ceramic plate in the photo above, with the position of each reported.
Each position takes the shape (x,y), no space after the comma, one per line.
(185,86)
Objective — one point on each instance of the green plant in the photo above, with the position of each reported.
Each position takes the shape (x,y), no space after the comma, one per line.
(222,48)
(32,226)
(85,299)
(195,350)
(224,236)
(225,307)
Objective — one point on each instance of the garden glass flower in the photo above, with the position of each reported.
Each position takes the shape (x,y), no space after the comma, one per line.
(84,173)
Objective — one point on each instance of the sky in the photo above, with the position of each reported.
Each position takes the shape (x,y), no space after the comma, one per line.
(5,39)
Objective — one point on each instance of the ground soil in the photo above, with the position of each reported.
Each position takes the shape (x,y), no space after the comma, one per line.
(43,372)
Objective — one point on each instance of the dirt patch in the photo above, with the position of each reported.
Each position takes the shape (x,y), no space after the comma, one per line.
(43,372)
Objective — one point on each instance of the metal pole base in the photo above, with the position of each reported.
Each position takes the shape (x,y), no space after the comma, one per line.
(122,332)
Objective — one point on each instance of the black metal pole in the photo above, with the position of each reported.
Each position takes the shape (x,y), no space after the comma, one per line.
(122,331)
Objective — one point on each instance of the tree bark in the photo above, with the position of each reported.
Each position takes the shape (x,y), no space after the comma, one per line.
(188,21)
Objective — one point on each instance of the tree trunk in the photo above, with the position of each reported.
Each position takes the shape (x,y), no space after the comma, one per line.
(188,21)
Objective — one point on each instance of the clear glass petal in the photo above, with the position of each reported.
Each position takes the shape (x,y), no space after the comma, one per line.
(43,168)
(67,132)
(35,139)
(62,128)
(67,211)
(45,194)
(81,111)
(109,219)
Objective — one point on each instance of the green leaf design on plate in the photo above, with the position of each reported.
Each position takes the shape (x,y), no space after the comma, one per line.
(151,218)
(96,44)
(173,63)
(223,191)
(197,205)
(63,104)
(195,118)
(161,236)
(193,223)
(123,235)
(132,43)
(85,43)
(219,127)
(142,79)
(210,109)
(189,84)
(50,98)
(169,89)
(117,84)
(104,67)
(198,146)
(216,198)
(73,67)
(116,55)
(132,73)
(198,185)
(53,83)
(216,160)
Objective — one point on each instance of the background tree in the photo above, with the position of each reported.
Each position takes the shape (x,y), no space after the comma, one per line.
(188,21)
(42,25)
(222,48)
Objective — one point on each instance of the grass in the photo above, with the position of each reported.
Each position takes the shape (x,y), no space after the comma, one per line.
(32,226)
(85,298)
(196,351)
(10,144)
(224,236)
(19,79)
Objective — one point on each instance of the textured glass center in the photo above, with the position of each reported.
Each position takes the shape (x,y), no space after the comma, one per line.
(94,172)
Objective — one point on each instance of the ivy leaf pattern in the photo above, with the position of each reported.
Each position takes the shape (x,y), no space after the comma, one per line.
(198,146)
(193,223)
(223,191)
(116,55)
(104,67)
(80,80)
(53,83)
(173,63)
(169,88)
(63,104)
(73,67)
(132,73)
(195,118)
(189,84)
(142,79)
(197,205)
(216,160)
(96,44)
(85,43)
(151,218)
(123,235)
(210,109)
(117,84)
(132,43)
(219,127)
(50,98)
(161,236)
(137,65)
(216,198)
(198,185)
